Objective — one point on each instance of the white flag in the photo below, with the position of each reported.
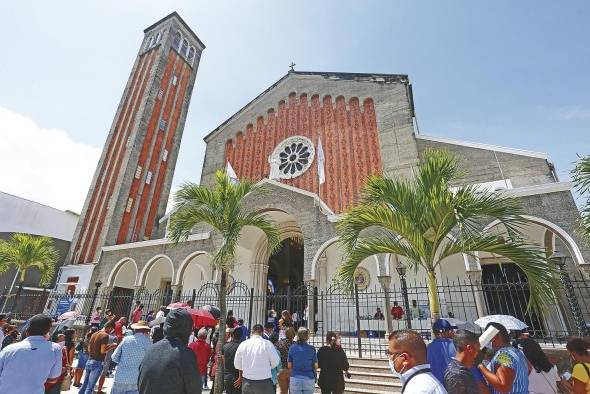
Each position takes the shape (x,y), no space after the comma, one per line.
(229,171)
(274,169)
(321,160)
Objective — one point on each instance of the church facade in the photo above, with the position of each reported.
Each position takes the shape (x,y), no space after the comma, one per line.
(358,124)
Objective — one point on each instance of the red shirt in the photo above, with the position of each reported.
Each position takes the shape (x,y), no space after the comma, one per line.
(119,330)
(136,315)
(202,352)
(397,312)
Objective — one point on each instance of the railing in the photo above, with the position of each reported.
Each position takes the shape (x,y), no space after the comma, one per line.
(352,314)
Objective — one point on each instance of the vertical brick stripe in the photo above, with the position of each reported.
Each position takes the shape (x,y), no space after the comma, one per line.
(249,151)
(153,124)
(162,172)
(95,229)
(156,149)
(113,138)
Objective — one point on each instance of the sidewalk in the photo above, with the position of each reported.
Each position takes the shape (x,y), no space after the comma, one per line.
(107,388)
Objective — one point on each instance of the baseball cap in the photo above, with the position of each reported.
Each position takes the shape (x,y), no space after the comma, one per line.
(442,325)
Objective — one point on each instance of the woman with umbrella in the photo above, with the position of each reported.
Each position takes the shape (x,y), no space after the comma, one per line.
(509,368)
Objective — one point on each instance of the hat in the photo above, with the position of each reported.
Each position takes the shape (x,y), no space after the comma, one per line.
(140,325)
(442,325)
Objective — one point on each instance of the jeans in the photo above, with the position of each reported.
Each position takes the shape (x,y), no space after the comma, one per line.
(122,388)
(257,386)
(93,370)
(299,385)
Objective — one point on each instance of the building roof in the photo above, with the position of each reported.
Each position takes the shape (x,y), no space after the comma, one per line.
(366,77)
(186,26)
(18,214)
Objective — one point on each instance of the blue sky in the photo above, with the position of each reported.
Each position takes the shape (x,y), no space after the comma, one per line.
(506,73)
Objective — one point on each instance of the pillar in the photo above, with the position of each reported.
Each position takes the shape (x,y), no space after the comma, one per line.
(258,280)
(475,279)
(176,292)
(385,282)
(311,284)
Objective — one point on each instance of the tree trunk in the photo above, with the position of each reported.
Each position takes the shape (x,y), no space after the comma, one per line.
(20,287)
(433,297)
(221,340)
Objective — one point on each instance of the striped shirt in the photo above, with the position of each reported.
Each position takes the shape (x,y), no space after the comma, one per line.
(514,359)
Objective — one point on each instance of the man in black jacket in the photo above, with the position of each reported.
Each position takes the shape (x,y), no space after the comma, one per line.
(169,366)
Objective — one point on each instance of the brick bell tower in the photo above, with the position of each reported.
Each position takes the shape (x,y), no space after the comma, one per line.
(132,181)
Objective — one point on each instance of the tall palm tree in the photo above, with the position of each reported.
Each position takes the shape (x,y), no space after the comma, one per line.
(222,208)
(425,221)
(25,252)
(581,177)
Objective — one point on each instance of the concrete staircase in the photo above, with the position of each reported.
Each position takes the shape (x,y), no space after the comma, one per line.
(370,376)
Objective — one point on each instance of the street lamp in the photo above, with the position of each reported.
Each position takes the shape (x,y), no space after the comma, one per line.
(98,283)
(559,259)
(401,271)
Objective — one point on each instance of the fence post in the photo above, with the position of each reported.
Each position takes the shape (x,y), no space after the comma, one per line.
(358,321)
(250,306)
(401,271)
(194,297)
(572,300)
(98,284)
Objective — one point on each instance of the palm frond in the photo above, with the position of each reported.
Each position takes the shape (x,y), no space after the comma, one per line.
(25,251)
(581,174)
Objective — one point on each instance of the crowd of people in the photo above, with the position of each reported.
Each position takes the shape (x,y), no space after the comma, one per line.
(174,356)
(454,362)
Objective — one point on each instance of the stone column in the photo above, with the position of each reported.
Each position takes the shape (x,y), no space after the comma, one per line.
(322,283)
(176,292)
(311,284)
(258,280)
(103,297)
(385,282)
(480,303)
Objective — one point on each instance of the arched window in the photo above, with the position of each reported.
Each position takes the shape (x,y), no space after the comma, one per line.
(191,55)
(148,43)
(158,37)
(184,47)
(176,41)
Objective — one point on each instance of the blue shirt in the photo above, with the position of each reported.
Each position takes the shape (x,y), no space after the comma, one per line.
(512,358)
(440,352)
(26,365)
(128,355)
(302,356)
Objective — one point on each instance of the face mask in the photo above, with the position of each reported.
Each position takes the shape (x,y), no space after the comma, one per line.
(62,343)
(398,374)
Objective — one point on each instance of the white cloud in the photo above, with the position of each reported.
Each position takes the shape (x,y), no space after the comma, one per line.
(574,113)
(44,165)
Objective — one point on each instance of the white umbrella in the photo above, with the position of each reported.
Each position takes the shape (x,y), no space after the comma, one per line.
(510,322)
(72,315)
(465,325)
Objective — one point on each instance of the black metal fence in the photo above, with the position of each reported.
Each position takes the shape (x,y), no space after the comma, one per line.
(362,317)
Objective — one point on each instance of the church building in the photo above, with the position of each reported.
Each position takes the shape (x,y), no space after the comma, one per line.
(355,124)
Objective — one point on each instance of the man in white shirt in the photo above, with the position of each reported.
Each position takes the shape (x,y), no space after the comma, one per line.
(254,360)
(407,360)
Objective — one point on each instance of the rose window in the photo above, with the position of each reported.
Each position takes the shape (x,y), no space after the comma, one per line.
(292,157)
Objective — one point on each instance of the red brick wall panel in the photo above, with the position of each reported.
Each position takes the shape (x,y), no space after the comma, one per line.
(349,137)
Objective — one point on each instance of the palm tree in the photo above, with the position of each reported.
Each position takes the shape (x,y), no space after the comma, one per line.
(581,177)
(24,252)
(222,208)
(425,221)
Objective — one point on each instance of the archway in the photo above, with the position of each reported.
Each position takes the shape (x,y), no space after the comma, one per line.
(122,279)
(157,276)
(285,267)
(194,272)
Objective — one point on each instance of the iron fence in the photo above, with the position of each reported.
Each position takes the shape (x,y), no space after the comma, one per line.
(363,317)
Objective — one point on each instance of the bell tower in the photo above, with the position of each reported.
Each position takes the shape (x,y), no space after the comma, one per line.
(132,181)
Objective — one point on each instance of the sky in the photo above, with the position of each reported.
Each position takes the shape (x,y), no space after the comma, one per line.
(502,72)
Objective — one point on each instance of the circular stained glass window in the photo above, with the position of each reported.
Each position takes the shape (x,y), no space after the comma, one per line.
(292,157)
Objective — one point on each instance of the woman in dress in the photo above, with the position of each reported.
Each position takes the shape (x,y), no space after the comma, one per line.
(333,364)
(283,347)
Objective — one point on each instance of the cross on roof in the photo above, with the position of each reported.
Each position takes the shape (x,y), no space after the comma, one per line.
(292,65)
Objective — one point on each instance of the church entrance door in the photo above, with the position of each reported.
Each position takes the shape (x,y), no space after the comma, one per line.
(285,278)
